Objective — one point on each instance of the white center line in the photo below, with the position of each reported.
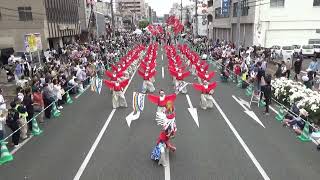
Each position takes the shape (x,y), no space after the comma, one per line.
(243,144)
(167,167)
(162,57)
(99,137)
(162,72)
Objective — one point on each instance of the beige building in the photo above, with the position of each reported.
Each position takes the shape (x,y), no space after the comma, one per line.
(56,21)
(137,7)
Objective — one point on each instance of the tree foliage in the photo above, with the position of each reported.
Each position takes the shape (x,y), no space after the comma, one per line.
(143,24)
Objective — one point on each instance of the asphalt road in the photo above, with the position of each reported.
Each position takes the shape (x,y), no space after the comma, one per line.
(228,144)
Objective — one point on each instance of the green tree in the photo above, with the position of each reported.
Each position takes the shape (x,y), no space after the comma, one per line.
(143,24)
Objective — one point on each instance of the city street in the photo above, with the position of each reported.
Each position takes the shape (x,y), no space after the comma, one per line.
(93,141)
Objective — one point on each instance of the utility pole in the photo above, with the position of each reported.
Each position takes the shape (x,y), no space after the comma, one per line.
(238,24)
(181,12)
(196,18)
(112,15)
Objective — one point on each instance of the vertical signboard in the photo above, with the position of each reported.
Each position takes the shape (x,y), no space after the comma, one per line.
(32,42)
(225,7)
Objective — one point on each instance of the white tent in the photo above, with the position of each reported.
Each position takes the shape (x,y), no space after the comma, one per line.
(137,31)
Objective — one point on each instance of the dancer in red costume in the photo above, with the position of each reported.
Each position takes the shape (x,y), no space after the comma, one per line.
(206,89)
(147,85)
(118,98)
(169,127)
(162,100)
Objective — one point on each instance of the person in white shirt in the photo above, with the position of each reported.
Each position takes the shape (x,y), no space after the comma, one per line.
(2,123)
(2,102)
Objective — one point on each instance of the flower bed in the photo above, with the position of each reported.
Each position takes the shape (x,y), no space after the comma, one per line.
(289,92)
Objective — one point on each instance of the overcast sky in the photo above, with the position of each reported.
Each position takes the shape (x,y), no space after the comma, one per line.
(163,6)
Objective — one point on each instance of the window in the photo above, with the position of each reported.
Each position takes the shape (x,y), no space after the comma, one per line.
(244,8)
(25,13)
(235,9)
(277,3)
(316,2)
(218,14)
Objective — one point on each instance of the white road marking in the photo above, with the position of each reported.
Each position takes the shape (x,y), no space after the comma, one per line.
(162,57)
(242,103)
(167,175)
(243,144)
(96,142)
(193,111)
(21,144)
(94,146)
(162,72)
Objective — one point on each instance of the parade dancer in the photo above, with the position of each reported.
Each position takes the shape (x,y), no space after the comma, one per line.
(147,80)
(180,76)
(168,132)
(118,98)
(205,76)
(206,99)
(169,127)
(162,100)
(114,76)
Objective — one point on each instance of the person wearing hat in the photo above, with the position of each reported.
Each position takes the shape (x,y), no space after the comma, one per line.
(23,114)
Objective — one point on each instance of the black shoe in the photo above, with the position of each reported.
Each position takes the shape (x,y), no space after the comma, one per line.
(318,147)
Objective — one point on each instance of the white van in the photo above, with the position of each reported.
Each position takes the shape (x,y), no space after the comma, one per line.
(287,52)
(307,50)
(316,48)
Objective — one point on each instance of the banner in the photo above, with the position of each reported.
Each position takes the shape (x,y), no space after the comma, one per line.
(98,85)
(181,85)
(33,42)
(138,101)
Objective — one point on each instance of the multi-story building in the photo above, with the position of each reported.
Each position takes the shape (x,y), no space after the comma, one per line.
(135,6)
(56,22)
(265,22)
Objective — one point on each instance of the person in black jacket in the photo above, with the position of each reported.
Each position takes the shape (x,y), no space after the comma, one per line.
(297,68)
(267,94)
(28,103)
(13,123)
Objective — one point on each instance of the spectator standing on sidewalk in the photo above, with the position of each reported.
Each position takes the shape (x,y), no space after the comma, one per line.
(28,103)
(12,122)
(288,67)
(313,67)
(48,98)
(2,124)
(23,114)
(2,102)
(297,68)
(38,103)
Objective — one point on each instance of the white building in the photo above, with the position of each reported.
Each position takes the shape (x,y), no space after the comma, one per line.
(266,22)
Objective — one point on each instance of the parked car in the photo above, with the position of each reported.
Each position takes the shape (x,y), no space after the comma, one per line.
(316,48)
(297,50)
(307,50)
(287,52)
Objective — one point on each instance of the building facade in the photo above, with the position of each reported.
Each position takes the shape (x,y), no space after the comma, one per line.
(56,22)
(265,22)
(21,18)
(135,6)
(63,22)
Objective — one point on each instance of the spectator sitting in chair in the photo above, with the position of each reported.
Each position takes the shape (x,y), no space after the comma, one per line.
(315,134)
